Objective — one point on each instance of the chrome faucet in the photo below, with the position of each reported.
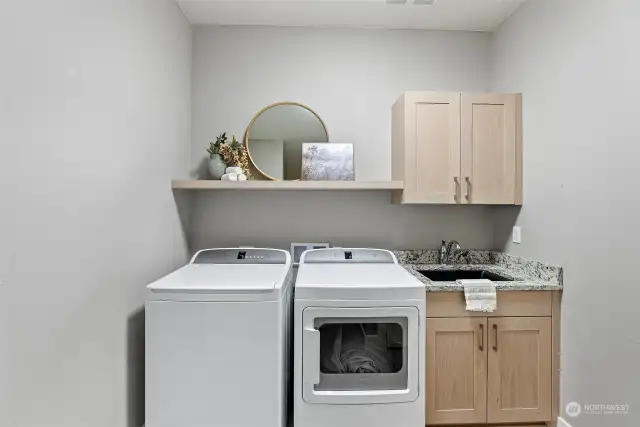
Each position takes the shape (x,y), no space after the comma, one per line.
(446,254)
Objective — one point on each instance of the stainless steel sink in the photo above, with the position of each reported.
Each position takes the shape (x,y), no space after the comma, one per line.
(453,275)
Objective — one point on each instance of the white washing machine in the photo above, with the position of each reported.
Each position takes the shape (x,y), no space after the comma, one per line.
(218,341)
(359,341)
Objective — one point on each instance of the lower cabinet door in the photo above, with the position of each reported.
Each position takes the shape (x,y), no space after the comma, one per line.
(456,370)
(519,378)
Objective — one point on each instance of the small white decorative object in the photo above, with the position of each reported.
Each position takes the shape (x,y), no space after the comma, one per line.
(229,177)
(327,162)
(234,169)
(242,177)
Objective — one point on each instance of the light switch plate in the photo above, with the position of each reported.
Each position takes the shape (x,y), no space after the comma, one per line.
(516,236)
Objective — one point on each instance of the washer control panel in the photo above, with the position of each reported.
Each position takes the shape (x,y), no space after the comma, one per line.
(240,256)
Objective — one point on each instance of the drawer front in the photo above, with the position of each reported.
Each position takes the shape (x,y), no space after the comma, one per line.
(510,303)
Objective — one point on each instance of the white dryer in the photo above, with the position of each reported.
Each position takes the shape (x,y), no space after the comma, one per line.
(217,341)
(359,341)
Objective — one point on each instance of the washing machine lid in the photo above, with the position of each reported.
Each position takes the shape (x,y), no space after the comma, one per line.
(220,279)
(229,272)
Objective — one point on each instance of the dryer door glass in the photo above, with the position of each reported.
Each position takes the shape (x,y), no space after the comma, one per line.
(357,352)
(362,353)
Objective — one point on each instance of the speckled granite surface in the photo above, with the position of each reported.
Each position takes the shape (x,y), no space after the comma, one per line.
(527,275)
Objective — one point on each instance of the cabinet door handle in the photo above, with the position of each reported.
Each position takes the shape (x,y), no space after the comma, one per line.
(468,196)
(457,189)
(481,337)
(495,342)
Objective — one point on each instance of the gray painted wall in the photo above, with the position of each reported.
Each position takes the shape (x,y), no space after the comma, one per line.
(94,122)
(350,78)
(360,219)
(577,63)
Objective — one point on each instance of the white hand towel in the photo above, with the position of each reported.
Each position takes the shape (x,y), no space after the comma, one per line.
(234,169)
(242,177)
(480,295)
(229,177)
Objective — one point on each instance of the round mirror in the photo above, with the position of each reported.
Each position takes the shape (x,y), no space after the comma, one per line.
(274,139)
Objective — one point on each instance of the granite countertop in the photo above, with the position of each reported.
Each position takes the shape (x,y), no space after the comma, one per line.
(526,275)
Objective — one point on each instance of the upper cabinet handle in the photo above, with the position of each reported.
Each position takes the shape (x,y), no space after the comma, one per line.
(457,190)
(468,196)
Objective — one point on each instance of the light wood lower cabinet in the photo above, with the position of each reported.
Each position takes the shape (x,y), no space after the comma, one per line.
(519,374)
(488,370)
(456,370)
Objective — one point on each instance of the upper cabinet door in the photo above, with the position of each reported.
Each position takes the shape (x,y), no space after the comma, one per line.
(519,370)
(432,157)
(491,160)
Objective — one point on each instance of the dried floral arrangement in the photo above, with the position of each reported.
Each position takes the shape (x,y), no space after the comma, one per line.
(232,152)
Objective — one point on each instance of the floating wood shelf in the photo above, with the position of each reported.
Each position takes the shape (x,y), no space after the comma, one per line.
(178,184)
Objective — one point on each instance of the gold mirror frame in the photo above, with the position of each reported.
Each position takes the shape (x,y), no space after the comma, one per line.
(248,132)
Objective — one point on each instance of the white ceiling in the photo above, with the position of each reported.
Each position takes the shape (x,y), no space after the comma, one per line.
(472,15)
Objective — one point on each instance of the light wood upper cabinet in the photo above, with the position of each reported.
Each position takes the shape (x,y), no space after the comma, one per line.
(457,148)
(519,373)
(490,148)
(456,370)
(426,142)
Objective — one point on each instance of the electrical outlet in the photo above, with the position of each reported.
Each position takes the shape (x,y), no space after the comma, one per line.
(516,235)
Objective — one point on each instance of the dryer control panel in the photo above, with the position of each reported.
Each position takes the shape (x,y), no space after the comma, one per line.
(344,255)
(240,256)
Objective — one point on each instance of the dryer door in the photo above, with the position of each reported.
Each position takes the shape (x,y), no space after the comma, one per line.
(360,355)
